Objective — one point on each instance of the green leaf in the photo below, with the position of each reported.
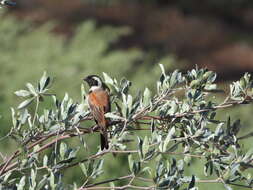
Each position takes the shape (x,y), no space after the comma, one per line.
(25,103)
(140,143)
(6,177)
(33,177)
(22,93)
(113,116)
(162,69)
(192,183)
(42,183)
(130,162)
(145,146)
(45,160)
(31,89)
(63,150)
(55,128)
(167,140)
(146,97)
(136,167)
(52,181)
(227,187)
(44,81)
(21,184)
(83,168)
(108,79)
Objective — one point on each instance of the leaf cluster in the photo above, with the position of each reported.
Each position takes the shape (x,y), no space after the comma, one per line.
(179,120)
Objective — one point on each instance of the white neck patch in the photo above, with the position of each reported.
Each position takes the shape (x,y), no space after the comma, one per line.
(94,88)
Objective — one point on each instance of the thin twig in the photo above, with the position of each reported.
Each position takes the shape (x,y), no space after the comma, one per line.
(108,181)
(7,163)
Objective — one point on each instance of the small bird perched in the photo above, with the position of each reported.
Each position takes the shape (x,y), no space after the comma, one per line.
(6,2)
(99,103)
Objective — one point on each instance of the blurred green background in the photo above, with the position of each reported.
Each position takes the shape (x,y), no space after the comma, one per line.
(70,40)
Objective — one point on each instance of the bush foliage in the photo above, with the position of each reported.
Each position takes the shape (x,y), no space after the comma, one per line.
(159,136)
(27,50)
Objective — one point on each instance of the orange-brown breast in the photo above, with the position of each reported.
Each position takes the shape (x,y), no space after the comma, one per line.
(99,104)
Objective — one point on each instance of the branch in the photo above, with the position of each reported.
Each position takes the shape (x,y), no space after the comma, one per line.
(107,181)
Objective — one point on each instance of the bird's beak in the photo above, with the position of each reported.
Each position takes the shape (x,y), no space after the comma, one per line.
(85,79)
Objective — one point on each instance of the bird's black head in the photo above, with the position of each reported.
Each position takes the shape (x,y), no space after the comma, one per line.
(93,80)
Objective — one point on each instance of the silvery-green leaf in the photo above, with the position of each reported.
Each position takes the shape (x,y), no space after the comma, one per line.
(55,128)
(146,97)
(145,145)
(52,181)
(21,184)
(33,177)
(25,103)
(14,120)
(130,162)
(73,152)
(44,81)
(167,140)
(113,116)
(83,168)
(7,176)
(22,93)
(107,79)
(63,150)
(227,187)
(210,87)
(162,69)
(31,88)
(45,160)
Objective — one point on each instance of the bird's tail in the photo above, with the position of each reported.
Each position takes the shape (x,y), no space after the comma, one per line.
(104,141)
(103,135)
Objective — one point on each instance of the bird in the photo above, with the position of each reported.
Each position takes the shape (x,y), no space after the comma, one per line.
(99,104)
(9,3)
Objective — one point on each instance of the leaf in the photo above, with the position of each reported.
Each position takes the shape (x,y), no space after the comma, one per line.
(173,78)
(42,183)
(147,169)
(31,89)
(162,69)
(7,175)
(167,140)
(113,116)
(63,150)
(140,142)
(45,160)
(192,183)
(44,81)
(55,128)
(33,177)
(73,152)
(107,79)
(227,187)
(22,93)
(146,97)
(25,103)
(52,181)
(21,183)
(83,168)
(145,146)
(130,162)
(136,167)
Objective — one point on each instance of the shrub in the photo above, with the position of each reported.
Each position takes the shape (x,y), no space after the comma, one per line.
(27,50)
(179,126)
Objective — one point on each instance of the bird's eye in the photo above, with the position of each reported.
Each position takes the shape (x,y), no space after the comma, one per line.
(97,81)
